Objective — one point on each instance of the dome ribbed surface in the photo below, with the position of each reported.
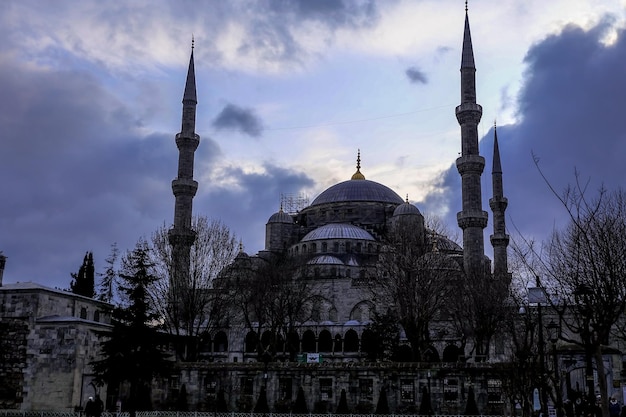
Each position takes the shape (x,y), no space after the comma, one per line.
(325,260)
(406,208)
(358,190)
(280,217)
(337,231)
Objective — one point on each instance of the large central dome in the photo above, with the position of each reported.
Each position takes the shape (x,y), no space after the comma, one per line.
(358,190)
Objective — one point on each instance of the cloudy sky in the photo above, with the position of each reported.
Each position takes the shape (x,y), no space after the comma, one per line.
(288,90)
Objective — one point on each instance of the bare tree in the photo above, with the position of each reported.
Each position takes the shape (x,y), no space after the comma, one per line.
(271,297)
(191,307)
(584,268)
(415,281)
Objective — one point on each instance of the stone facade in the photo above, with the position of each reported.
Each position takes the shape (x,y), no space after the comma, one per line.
(48,338)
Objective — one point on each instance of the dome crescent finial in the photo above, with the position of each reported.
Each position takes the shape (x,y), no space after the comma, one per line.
(357,175)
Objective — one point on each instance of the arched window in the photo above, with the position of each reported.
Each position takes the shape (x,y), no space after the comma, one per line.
(293,342)
(308,342)
(304,249)
(332,314)
(358,247)
(351,341)
(220,344)
(266,340)
(324,247)
(205,342)
(338,347)
(369,345)
(251,342)
(96,315)
(348,273)
(83,313)
(335,246)
(451,353)
(325,341)
(348,247)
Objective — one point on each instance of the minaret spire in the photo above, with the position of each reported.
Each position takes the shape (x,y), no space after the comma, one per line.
(472,219)
(498,204)
(181,236)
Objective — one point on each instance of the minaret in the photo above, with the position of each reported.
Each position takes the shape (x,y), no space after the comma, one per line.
(181,236)
(499,238)
(472,219)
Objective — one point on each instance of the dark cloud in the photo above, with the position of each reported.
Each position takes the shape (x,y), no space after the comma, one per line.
(570,117)
(244,207)
(416,75)
(239,119)
(334,13)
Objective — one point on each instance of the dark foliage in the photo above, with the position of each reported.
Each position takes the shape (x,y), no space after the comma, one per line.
(426,408)
(382,407)
(471,409)
(130,351)
(342,407)
(300,406)
(261,404)
(83,282)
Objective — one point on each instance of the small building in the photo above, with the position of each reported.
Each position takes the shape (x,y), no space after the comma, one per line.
(48,337)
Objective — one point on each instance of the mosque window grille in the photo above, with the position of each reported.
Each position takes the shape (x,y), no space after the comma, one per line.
(366,389)
(326,389)
(407,390)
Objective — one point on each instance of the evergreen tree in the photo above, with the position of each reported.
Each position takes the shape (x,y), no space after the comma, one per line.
(107,280)
(130,353)
(83,282)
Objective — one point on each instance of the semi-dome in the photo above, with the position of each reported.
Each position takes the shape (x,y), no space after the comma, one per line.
(337,231)
(325,260)
(358,190)
(442,243)
(280,217)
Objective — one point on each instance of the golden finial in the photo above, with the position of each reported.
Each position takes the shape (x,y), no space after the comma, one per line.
(357,175)
(240,246)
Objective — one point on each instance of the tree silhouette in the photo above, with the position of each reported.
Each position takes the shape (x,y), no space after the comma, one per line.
(261,404)
(382,407)
(300,405)
(342,408)
(426,408)
(471,409)
(83,281)
(130,350)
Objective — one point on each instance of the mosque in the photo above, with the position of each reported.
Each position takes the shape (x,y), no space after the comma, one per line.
(338,243)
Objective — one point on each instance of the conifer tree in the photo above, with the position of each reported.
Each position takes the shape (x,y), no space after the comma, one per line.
(130,353)
(83,282)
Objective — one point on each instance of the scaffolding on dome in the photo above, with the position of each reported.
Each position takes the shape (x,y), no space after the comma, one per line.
(292,203)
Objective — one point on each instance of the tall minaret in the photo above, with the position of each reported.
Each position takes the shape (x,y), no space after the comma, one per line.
(499,238)
(472,219)
(181,236)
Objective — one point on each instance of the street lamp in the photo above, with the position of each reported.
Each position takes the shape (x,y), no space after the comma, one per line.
(554,334)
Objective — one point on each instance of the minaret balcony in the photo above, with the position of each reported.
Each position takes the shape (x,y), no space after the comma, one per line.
(470,164)
(472,218)
(468,112)
(182,186)
(187,140)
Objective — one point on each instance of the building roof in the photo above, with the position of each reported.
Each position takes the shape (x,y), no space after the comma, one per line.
(337,231)
(358,190)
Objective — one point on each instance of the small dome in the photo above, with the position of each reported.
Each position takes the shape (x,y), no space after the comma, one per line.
(442,243)
(325,260)
(280,217)
(406,209)
(337,231)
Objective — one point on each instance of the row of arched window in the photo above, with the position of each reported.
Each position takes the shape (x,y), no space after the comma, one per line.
(322,343)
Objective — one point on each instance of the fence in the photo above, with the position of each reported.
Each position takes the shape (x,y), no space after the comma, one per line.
(17,413)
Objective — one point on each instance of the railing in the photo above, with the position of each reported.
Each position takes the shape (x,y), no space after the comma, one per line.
(17,413)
